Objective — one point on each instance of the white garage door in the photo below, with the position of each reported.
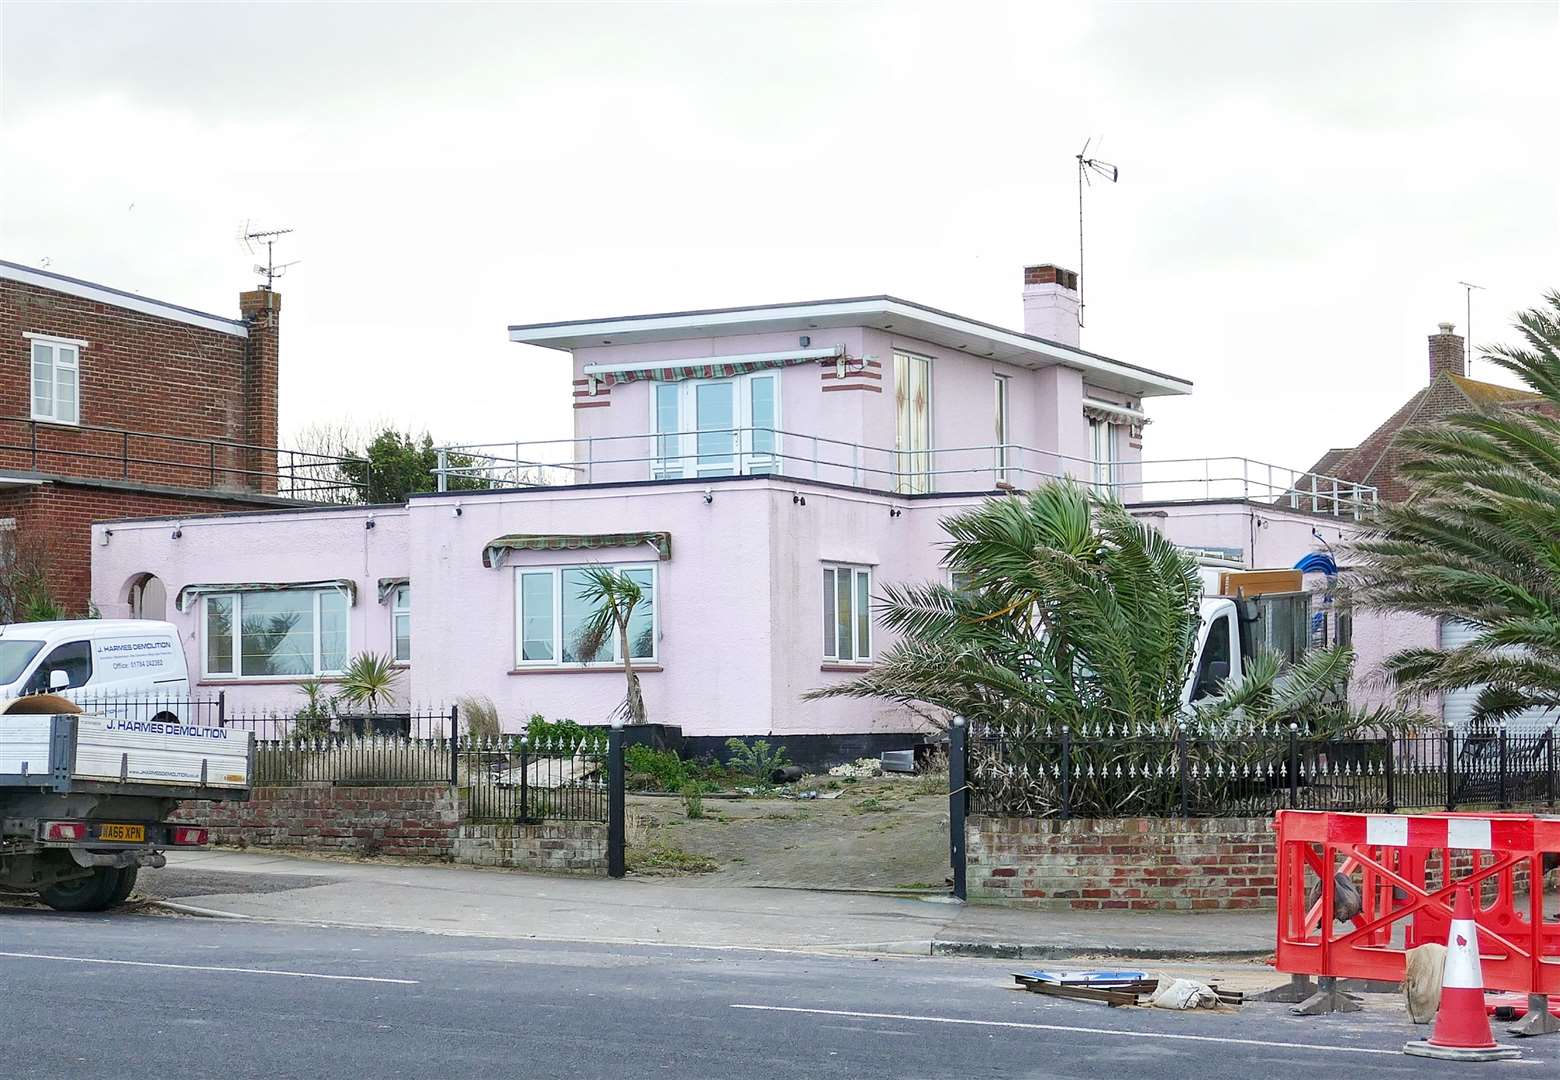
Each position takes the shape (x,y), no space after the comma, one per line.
(1457,706)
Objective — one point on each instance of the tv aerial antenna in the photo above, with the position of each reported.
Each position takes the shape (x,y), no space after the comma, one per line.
(252,238)
(1087,168)
(1468,288)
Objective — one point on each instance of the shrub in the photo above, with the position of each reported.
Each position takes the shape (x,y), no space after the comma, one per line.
(656,770)
(755,761)
(693,798)
(313,718)
(543,732)
(481,716)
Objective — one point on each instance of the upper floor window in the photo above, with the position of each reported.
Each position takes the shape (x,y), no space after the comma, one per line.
(912,423)
(56,380)
(847,613)
(553,607)
(401,623)
(717,427)
(1001,395)
(290,632)
(1102,448)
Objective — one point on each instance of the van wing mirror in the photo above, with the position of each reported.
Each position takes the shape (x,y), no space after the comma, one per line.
(59,679)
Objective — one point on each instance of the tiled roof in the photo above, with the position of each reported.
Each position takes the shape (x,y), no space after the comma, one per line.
(1375,461)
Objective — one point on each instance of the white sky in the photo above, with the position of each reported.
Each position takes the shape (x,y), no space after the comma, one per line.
(1302,186)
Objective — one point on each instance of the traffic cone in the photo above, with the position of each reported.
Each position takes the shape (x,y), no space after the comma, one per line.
(1462,1028)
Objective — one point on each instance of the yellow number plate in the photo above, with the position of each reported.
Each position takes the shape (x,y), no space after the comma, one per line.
(133,833)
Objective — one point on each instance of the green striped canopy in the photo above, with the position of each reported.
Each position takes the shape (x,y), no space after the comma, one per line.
(496,552)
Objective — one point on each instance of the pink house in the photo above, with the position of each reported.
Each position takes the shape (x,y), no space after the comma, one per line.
(761,471)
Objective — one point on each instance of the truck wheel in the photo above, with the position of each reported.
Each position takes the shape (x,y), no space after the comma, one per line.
(126,883)
(92,893)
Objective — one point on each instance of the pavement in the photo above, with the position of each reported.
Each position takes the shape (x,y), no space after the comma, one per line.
(467,901)
(128,994)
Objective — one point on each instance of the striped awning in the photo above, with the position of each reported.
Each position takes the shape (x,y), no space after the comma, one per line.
(704,367)
(496,553)
(186,595)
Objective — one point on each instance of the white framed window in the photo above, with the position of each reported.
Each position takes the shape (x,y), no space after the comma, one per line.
(1001,396)
(1102,448)
(847,613)
(913,422)
(401,623)
(717,427)
(551,612)
(287,633)
(56,380)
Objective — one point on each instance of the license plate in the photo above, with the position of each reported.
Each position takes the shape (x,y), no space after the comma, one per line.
(132,833)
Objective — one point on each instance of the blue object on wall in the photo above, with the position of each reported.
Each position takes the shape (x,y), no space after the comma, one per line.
(1317,563)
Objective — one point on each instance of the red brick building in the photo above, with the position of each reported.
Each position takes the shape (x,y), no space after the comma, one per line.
(113,405)
(1377,460)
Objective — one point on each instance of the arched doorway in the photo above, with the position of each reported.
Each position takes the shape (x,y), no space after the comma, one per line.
(148,598)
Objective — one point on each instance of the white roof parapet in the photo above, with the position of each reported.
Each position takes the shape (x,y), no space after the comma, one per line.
(900,317)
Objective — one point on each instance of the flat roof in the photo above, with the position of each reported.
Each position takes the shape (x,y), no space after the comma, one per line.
(879,312)
(106,294)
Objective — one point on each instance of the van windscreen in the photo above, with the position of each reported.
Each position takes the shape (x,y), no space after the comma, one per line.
(15,655)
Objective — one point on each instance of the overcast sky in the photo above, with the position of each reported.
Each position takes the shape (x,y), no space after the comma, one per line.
(1302,186)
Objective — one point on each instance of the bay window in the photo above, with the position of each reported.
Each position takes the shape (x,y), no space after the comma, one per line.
(552,608)
(287,633)
(847,614)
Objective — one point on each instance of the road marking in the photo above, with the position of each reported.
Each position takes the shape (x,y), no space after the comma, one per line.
(1074,1030)
(206,967)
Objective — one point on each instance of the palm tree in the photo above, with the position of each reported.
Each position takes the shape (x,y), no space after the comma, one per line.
(1069,611)
(613,597)
(1478,539)
(369,681)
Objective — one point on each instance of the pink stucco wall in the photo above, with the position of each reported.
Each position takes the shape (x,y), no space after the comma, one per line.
(740,602)
(286,546)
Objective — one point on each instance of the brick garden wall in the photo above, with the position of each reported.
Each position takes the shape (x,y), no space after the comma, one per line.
(422,820)
(1136,864)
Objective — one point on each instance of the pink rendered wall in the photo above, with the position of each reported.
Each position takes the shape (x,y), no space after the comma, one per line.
(740,601)
(262,547)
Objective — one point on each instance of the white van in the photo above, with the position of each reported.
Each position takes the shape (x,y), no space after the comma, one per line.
(106,665)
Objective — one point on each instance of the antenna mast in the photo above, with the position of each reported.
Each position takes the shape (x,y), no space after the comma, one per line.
(271,270)
(1468,288)
(1087,165)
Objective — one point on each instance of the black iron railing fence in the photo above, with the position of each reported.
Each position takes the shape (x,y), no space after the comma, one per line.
(96,452)
(1251,772)
(504,778)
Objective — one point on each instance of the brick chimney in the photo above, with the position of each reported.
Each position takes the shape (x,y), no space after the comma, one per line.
(261,309)
(1447,353)
(1051,303)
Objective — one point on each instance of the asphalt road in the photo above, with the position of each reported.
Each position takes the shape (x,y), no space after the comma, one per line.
(139,995)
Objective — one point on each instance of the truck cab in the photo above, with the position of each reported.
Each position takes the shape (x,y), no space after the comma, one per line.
(1245,612)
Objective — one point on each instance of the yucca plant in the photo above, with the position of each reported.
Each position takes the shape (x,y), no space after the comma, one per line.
(613,597)
(369,681)
(1478,539)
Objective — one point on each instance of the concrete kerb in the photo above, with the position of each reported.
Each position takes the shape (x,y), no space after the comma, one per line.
(981,950)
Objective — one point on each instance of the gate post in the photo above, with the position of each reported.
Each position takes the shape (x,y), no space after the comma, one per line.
(616,864)
(958,801)
(454,746)
(1450,751)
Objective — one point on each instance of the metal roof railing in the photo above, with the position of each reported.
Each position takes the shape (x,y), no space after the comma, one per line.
(743,451)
